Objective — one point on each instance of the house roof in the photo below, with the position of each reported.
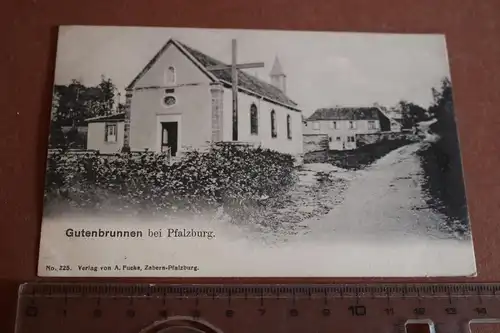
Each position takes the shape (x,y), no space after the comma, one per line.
(246,82)
(116,117)
(384,112)
(344,113)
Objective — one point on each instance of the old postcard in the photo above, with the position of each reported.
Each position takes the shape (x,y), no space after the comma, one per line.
(182,152)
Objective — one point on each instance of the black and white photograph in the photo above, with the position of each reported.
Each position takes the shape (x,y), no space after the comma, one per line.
(192,152)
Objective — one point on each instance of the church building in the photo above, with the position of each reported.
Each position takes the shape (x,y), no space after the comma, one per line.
(183,99)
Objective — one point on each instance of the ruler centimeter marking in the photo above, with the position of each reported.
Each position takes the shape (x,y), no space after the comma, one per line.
(146,308)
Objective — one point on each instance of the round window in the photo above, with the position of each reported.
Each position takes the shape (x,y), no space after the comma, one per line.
(169,100)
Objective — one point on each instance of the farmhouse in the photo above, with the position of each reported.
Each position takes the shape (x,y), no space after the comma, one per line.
(341,124)
(183,99)
(396,120)
(396,124)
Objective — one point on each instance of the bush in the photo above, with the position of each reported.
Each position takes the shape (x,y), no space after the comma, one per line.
(442,163)
(76,139)
(226,174)
(444,184)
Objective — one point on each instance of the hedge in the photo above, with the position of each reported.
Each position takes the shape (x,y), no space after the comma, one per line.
(443,182)
(225,174)
(365,155)
(358,158)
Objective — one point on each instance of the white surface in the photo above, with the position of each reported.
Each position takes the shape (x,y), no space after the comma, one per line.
(374,232)
(233,255)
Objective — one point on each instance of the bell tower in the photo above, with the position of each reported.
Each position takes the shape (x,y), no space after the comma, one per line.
(278,77)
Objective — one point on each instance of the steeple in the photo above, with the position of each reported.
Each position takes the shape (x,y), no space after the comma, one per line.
(277,69)
(278,77)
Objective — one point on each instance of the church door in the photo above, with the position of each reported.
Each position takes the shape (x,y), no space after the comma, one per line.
(169,137)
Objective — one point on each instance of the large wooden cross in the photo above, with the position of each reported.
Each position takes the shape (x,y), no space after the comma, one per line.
(234,81)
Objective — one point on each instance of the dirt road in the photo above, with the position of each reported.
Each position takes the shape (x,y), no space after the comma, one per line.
(384,200)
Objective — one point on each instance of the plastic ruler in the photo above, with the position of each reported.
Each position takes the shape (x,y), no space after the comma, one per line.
(141,308)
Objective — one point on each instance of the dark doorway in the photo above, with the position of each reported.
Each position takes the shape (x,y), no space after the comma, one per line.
(169,137)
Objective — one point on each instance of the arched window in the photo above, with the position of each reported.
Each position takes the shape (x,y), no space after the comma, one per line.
(289,126)
(274,131)
(170,76)
(254,120)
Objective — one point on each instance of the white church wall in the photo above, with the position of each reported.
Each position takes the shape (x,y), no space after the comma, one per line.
(281,142)
(193,102)
(193,105)
(186,72)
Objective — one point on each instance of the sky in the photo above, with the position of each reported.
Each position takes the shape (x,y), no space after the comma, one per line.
(323,69)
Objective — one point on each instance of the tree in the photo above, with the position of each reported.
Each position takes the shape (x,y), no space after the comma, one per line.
(73,102)
(442,108)
(411,113)
(56,135)
(54,110)
(443,97)
(404,110)
(442,159)
(417,113)
(78,102)
(107,98)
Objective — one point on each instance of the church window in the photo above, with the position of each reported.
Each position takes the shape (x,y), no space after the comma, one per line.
(289,126)
(254,120)
(170,76)
(169,100)
(110,133)
(274,131)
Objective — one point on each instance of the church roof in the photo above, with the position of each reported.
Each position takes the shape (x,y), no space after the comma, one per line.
(346,113)
(277,69)
(246,82)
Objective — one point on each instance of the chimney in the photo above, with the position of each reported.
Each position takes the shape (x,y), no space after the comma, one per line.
(278,77)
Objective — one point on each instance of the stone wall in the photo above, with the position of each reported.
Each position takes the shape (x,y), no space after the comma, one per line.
(366,139)
(315,142)
(217,110)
